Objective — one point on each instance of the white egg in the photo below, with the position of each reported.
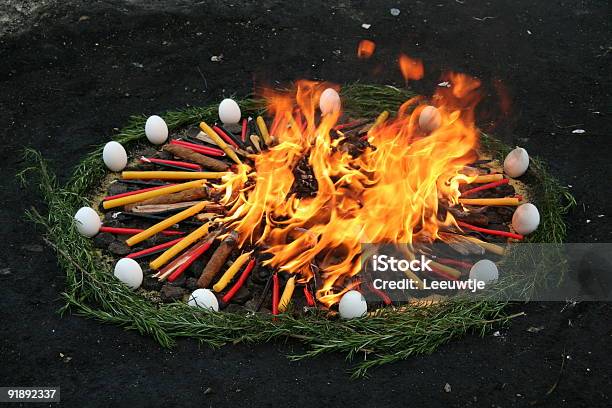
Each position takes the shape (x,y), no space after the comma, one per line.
(526,219)
(329,101)
(204,299)
(129,272)
(156,130)
(229,111)
(485,271)
(87,221)
(114,156)
(430,119)
(352,305)
(516,162)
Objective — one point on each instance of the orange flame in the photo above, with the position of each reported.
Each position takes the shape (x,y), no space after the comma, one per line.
(388,193)
(365,49)
(411,68)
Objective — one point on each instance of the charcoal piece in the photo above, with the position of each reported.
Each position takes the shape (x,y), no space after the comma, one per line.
(103,240)
(241,296)
(180,281)
(169,293)
(191,284)
(118,247)
(117,188)
(260,275)
(151,283)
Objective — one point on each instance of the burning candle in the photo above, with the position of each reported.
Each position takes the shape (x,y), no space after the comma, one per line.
(219,142)
(287,294)
(261,124)
(132,231)
(154,193)
(245,274)
(172,175)
(490,201)
(179,246)
(231,272)
(168,222)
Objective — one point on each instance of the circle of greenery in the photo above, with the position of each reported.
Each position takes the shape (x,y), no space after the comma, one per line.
(391,335)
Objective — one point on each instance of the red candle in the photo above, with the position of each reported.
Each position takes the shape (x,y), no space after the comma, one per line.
(484,187)
(209,151)
(489,231)
(129,193)
(275,294)
(225,136)
(309,298)
(153,249)
(382,295)
(454,262)
(245,274)
(186,165)
(190,256)
(243,134)
(134,231)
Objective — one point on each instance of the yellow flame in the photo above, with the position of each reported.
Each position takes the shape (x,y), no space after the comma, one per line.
(389,193)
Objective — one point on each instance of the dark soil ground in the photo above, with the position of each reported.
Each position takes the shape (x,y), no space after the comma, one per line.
(69,81)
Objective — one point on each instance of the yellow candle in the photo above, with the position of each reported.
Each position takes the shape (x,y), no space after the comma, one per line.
(287,293)
(488,178)
(255,141)
(219,142)
(261,124)
(446,269)
(172,175)
(179,246)
(384,115)
(150,194)
(487,246)
(168,222)
(231,272)
(490,201)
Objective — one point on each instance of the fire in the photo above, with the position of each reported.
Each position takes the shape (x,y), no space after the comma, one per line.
(365,49)
(389,193)
(411,68)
